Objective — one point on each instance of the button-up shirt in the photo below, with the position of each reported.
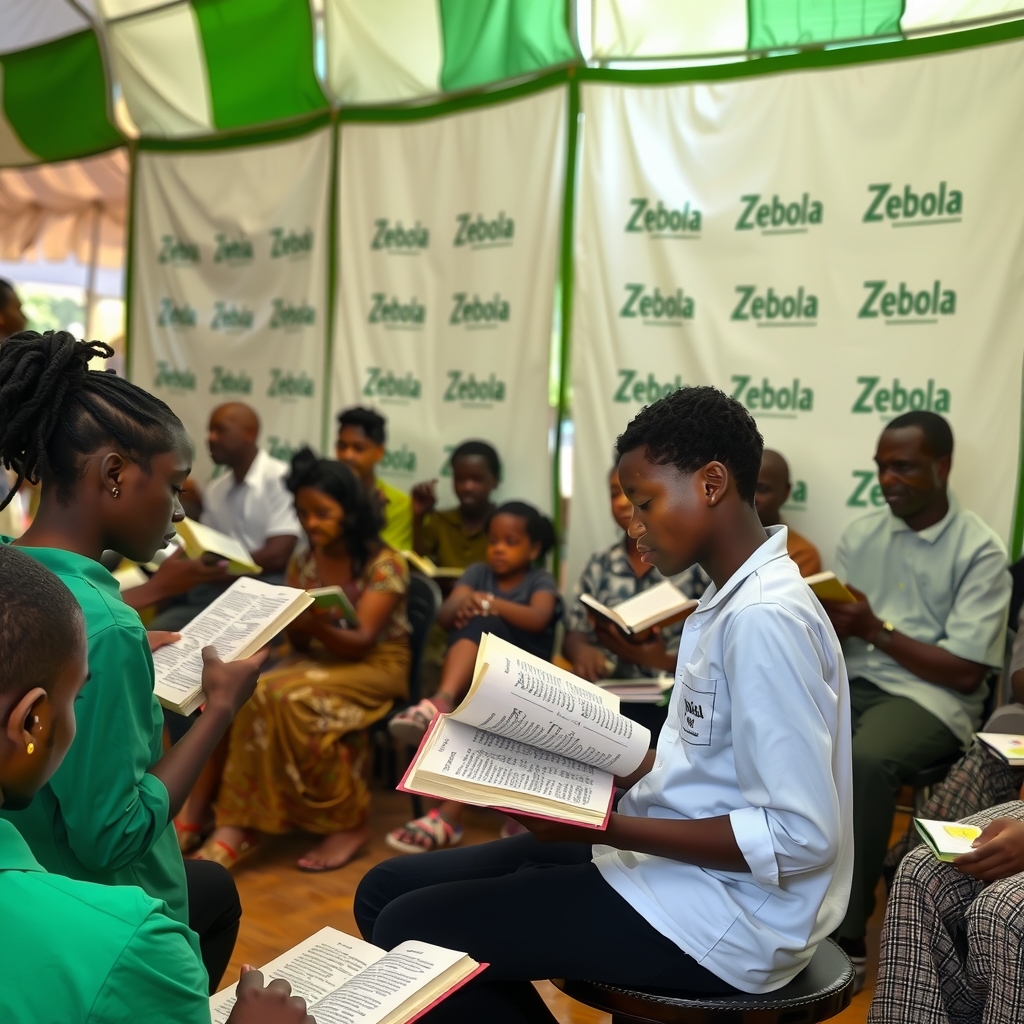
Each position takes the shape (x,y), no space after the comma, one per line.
(758,729)
(946,585)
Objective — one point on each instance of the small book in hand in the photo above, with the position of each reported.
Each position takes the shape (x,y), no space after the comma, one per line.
(344,979)
(530,738)
(1007,745)
(827,587)
(334,600)
(660,606)
(205,542)
(947,839)
(246,617)
(426,567)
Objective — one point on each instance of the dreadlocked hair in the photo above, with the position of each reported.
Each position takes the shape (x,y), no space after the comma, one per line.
(54,410)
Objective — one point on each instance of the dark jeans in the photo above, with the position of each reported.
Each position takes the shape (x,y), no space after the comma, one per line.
(214,912)
(531,910)
(539,644)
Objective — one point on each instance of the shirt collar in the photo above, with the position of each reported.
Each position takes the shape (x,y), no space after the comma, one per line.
(14,852)
(255,473)
(930,534)
(70,563)
(774,547)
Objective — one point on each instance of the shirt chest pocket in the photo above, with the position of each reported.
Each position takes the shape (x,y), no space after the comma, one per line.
(696,708)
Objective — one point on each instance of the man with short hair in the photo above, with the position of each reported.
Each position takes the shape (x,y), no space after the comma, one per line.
(360,445)
(927,627)
(12,317)
(773,491)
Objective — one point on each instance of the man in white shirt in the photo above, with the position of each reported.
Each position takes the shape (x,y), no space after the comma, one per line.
(730,857)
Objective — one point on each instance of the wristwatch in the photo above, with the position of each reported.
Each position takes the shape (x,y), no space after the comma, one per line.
(887,629)
(485,604)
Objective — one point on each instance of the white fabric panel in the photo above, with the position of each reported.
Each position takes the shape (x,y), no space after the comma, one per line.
(925,13)
(159,61)
(25,23)
(653,28)
(385,51)
(12,152)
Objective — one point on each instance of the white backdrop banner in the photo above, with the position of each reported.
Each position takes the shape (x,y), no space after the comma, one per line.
(230,282)
(449,231)
(831,246)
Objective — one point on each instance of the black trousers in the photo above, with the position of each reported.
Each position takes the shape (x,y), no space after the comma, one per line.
(531,910)
(214,912)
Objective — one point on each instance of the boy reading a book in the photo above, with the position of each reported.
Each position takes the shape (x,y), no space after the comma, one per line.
(729,858)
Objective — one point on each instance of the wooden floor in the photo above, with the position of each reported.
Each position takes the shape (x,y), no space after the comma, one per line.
(282,905)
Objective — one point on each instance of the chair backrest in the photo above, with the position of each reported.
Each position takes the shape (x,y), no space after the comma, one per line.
(424,602)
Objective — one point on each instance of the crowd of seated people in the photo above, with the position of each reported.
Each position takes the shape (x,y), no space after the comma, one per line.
(282,745)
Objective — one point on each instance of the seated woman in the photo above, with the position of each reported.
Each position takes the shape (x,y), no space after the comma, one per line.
(507,595)
(297,751)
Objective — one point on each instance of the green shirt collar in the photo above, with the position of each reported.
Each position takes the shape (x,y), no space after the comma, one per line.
(14,852)
(930,534)
(69,563)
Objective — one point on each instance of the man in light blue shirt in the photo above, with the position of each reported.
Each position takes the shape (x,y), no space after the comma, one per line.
(927,628)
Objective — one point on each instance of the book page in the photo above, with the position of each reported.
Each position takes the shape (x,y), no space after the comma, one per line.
(948,838)
(229,624)
(314,968)
(217,543)
(377,992)
(650,607)
(524,698)
(1007,744)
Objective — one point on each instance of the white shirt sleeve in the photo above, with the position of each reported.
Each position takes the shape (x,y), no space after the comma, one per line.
(778,673)
(280,509)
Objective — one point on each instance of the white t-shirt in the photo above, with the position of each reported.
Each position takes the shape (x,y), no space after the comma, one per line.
(758,728)
(255,509)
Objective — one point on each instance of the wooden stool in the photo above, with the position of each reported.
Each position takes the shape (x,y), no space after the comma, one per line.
(820,991)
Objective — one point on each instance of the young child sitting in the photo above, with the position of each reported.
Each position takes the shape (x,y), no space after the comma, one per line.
(507,595)
(730,857)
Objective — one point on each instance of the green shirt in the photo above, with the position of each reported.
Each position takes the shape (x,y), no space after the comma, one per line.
(946,585)
(397,532)
(446,542)
(103,817)
(78,953)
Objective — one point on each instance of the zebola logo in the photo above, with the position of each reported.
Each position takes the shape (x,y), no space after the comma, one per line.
(396,315)
(174,250)
(904,306)
(226,382)
(476,314)
(867,491)
(168,377)
(484,234)
(172,315)
(285,384)
(656,309)
(897,397)
(908,209)
(661,222)
(398,239)
(279,448)
(230,318)
(232,250)
(772,400)
(400,460)
(292,318)
(633,388)
(778,217)
(467,389)
(798,496)
(386,385)
(771,310)
(290,243)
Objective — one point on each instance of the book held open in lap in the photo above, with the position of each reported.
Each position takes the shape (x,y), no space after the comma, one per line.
(347,981)
(947,839)
(660,606)
(247,616)
(1009,746)
(530,738)
(202,541)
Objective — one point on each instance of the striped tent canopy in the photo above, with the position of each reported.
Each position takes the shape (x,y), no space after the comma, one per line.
(79,77)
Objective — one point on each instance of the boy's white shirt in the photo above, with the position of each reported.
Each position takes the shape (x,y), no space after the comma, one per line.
(758,728)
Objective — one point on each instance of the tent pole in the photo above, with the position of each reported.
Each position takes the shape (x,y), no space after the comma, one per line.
(90,279)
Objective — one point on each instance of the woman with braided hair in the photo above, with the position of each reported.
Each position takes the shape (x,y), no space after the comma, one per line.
(112,460)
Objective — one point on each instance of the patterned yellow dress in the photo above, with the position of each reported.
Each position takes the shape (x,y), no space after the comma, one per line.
(298,749)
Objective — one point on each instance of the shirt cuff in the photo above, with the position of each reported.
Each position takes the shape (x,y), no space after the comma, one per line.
(153,793)
(753,837)
(969,651)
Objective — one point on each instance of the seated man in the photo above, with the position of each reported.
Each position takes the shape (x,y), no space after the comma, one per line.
(926,629)
(360,445)
(773,491)
(12,317)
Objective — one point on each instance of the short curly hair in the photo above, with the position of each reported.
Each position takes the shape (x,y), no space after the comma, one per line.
(694,426)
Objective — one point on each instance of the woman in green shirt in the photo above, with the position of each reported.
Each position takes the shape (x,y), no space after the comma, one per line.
(112,460)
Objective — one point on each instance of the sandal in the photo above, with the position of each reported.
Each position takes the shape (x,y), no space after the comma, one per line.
(409,726)
(424,835)
(191,836)
(220,853)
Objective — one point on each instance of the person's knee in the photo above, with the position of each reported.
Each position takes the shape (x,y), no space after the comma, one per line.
(918,870)
(213,896)
(378,888)
(999,909)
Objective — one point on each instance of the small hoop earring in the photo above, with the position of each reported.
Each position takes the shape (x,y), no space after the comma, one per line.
(116,492)
(30,748)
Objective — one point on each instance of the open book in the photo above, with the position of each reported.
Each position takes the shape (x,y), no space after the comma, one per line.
(1009,746)
(345,980)
(200,540)
(427,567)
(659,606)
(827,587)
(947,839)
(334,599)
(243,619)
(531,738)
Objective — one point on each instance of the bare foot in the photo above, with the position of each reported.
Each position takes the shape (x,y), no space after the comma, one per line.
(336,850)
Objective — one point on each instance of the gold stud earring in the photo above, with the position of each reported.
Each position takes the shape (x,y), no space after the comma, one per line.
(116,492)
(30,749)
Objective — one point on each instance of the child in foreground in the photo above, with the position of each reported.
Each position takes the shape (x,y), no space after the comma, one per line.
(507,595)
(82,951)
(730,857)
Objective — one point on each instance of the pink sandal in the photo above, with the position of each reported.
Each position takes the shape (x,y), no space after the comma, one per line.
(409,726)
(424,835)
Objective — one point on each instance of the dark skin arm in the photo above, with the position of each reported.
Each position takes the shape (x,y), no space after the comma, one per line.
(464,603)
(998,852)
(588,662)
(177,575)
(928,662)
(374,610)
(274,555)
(646,649)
